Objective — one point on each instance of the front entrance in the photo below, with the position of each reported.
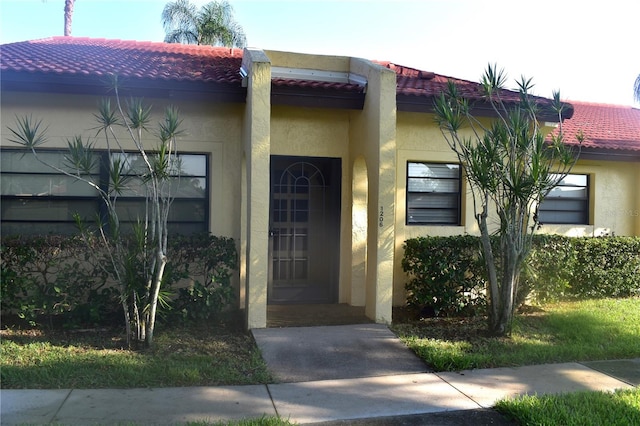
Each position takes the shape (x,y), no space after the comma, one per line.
(304,222)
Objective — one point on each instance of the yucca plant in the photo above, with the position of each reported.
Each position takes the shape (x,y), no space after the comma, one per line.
(136,261)
(510,168)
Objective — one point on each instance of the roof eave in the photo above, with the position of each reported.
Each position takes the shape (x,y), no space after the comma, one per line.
(425,104)
(316,97)
(603,154)
(99,85)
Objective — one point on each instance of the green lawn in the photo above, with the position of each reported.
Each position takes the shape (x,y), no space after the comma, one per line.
(181,357)
(578,331)
(559,332)
(575,409)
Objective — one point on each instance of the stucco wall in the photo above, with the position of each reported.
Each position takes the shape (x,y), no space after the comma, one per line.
(305,61)
(420,139)
(374,144)
(312,132)
(256,139)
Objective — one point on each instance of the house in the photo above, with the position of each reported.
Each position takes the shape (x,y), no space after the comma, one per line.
(320,167)
(601,197)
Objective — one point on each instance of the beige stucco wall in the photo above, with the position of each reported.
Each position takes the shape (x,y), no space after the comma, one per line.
(373,138)
(312,132)
(256,137)
(210,128)
(420,139)
(306,61)
(365,141)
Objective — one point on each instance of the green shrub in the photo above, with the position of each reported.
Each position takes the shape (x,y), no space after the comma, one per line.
(606,267)
(207,262)
(48,276)
(446,275)
(548,271)
(58,280)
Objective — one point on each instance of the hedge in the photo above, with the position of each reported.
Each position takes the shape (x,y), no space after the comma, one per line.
(447,274)
(58,280)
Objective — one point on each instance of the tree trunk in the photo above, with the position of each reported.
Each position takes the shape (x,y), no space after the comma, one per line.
(501,325)
(489,259)
(68,16)
(127,320)
(155,291)
(138,316)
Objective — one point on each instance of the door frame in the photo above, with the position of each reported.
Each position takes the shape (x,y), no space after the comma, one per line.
(331,169)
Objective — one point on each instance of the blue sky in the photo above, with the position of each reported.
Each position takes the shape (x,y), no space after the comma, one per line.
(586,49)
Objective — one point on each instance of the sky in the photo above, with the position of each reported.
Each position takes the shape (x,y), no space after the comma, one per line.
(589,50)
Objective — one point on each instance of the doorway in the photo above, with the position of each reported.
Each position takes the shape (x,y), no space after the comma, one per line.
(304,230)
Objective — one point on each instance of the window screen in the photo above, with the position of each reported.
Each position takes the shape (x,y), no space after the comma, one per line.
(433,194)
(38,200)
(567,203)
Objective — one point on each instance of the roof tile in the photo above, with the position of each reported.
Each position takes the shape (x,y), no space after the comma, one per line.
(181,62)
(604,126)
(411,81)
(80,55)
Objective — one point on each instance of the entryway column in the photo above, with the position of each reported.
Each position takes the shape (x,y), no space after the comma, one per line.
(257,147)
(374,137)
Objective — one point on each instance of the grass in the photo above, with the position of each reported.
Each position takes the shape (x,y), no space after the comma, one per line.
(561,332)
(194,356)
(225,355)
(575,409)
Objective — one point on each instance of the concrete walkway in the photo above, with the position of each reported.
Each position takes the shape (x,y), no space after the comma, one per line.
(387,398)
(303,354)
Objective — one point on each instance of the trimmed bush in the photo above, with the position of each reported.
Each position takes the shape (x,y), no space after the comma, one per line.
(58,280)
(606,267)
(48,276)
(207,262)
(548,272)
(447,274)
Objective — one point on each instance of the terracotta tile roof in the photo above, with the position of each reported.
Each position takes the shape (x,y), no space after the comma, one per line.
(73,57)
(610,127)
(416,86)
(150,60)
(411,81)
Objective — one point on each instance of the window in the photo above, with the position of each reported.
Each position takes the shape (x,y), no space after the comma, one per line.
(567,203)
(433,194)
(38,200)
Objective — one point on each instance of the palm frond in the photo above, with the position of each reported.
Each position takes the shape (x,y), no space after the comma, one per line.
(213,24)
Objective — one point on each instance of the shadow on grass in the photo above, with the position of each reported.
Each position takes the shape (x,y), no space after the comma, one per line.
(180,357)
(582,331)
